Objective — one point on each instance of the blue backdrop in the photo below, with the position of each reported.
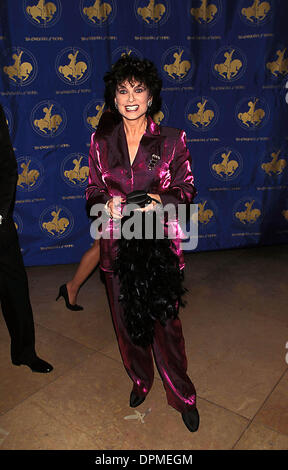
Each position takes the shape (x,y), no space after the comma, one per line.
(223,63)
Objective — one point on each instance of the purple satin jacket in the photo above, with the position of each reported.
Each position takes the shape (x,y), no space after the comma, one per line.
(111,173)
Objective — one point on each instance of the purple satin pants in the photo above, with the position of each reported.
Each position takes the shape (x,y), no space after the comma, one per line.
(168,349)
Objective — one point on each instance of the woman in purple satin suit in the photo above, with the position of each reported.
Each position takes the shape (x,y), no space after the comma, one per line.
(130,152)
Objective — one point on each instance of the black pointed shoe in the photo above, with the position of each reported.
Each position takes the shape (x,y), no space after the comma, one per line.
(191,419)
(36,365)
(63,292)
(135,400)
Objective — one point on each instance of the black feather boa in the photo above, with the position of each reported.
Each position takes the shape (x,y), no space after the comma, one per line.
(151,285)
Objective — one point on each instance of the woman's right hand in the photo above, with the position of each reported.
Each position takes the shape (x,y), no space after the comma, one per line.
(114,207)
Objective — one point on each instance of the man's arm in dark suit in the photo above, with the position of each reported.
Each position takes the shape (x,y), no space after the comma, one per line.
(8,169)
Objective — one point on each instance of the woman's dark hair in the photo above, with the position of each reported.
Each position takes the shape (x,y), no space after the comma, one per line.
(132,68)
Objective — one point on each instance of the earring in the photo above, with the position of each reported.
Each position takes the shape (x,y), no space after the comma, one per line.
(149,103)
(116,105)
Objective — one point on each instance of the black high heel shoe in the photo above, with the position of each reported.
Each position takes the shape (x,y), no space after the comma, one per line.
(64,293)
(135,400)
(191,419)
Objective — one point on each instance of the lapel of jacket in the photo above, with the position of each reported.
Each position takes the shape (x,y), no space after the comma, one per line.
(151,143)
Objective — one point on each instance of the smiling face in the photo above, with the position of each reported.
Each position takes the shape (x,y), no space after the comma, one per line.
(131,99)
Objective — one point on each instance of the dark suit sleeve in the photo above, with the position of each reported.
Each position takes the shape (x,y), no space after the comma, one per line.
(181,189)
(8,169)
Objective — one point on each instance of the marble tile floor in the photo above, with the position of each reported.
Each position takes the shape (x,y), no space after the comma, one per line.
(236,333)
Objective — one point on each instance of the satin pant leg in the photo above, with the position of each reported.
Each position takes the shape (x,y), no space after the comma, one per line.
(171,361)
(137,361)
(169,353)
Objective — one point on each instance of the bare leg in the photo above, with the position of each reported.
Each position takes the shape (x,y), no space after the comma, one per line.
(88,262)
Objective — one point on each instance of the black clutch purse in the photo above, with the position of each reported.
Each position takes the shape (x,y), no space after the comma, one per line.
(139,197)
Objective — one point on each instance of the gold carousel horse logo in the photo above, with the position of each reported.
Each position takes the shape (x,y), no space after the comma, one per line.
(231,67)
(48,119)
(158,117)
(93,120)
(178,69)
(205,13)
(75,71)
(152,12)
(276,165)
(279,67)
(21,72)
(249,215)
(56,226)
(204,215)
(125,50)
(253,117)
(28,178)
(162,116)
(78,174)
(204,116)
(228,167)
(49,123)
(257,11)
(42,12)
(99,12)
(128,52)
